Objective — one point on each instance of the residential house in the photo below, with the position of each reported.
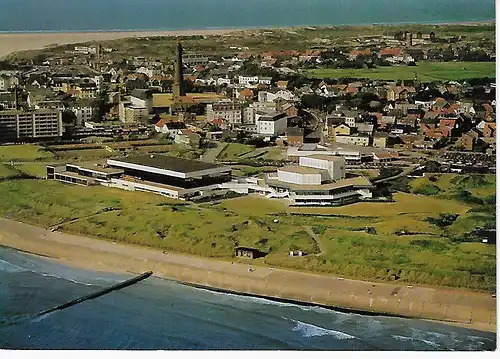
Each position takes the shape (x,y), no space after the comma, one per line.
(245,95)
(467,141)
(289,109)
(386,156)
(282,85)
(356,140)
(342,130)
(489,130)
(248,81)
(169,127)
(188,138)
(365,128)
(295,136)
(7,82)
(380,140)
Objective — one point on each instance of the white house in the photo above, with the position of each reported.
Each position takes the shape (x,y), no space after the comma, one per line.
(248,80)
(223,81)
(273,124)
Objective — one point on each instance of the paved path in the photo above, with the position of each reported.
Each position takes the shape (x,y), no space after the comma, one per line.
(315,237)
(405,172)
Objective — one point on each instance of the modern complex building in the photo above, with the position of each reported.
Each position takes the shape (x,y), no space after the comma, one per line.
(33,124)
(168,176)
(318,180)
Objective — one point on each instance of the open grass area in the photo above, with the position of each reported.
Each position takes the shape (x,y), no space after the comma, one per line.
(234,150)
(404,204)
(242,170)
(23,153)
(426,71)
(7,171)
(214,229)
(36,169)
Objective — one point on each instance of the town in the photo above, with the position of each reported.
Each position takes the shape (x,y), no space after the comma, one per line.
(396,118)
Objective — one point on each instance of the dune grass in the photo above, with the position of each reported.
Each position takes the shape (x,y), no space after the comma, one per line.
(214,229)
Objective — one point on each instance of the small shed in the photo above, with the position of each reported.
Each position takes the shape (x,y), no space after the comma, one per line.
(245,252)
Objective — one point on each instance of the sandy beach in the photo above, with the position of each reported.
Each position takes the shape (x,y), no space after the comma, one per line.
(458,307)
(12,42)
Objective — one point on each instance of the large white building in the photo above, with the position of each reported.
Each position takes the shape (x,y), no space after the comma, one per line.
(317,180)
(272,124)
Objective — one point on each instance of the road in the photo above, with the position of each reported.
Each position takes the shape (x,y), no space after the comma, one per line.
(405,172)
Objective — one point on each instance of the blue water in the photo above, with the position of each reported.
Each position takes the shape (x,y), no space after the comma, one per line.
(161,314)
(88,15)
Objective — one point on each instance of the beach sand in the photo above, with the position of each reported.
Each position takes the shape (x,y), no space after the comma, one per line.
(454,306)
(12,42)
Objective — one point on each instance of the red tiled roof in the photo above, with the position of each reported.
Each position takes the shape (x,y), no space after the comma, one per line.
(359,52)
(391,51)
(246,93)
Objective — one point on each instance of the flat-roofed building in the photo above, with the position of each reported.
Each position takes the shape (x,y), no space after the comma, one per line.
(317,180)
(334,165)
(168,176)
(33,124)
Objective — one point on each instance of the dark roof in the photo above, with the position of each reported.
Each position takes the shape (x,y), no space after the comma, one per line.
(175,125)
(274,116)
(142,94)
(294,131)
(168,163)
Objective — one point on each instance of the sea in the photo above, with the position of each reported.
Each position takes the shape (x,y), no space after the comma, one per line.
(112,15)
(165,315)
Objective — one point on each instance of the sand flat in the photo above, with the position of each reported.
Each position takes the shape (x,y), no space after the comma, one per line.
(13,42)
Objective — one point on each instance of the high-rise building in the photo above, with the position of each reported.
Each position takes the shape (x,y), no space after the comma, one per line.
(33,124)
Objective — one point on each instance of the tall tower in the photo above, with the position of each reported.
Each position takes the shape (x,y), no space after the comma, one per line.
(179,89)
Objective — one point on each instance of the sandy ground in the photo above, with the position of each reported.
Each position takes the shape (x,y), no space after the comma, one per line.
(457,307)
(12,42)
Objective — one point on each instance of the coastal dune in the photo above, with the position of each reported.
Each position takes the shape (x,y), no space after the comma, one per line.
(13,42)
(459,307)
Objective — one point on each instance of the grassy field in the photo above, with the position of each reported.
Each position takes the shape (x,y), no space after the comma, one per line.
(214,229)
(7,171)
(426,71)
(233,151)
(23,153)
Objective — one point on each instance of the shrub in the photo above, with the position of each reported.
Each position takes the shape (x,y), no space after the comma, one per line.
(467,197)
(427,190)
(444,219)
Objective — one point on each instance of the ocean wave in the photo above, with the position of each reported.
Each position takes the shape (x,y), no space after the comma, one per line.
(64,278)
(276,303)
(428,342)
(310,330)
(10,267)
